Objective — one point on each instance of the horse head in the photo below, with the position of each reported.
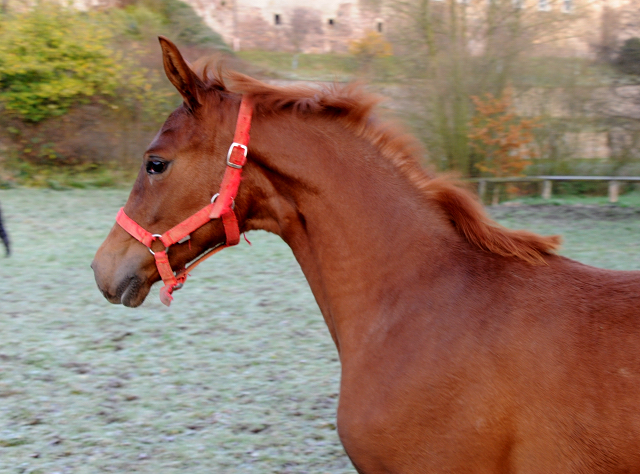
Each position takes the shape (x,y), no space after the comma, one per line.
(177,178)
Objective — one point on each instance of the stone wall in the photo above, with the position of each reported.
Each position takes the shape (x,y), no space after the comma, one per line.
(289,25)
(613,112)
(330,25)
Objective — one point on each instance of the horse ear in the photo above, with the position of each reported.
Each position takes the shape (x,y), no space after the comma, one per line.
(179,73)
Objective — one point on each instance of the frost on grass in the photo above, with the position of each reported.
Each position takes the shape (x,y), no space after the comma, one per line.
(239,376)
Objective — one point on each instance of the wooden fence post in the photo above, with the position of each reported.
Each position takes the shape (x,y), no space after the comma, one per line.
(546,189)
(482,189)
(495,200)
(614,190)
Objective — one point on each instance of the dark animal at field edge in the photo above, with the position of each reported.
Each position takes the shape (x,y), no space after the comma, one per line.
(4,236)
(464,346)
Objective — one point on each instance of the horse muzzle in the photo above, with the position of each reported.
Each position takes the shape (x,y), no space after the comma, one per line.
(127,287)
(123,273)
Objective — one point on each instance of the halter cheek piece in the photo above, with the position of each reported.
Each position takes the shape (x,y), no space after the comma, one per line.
(221,206)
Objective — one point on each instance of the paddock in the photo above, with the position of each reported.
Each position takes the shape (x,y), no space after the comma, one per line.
(89,387)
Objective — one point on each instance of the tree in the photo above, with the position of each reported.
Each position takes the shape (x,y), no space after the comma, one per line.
(371,46)
(500,137)
(628,60)
(52,58)
(454,49)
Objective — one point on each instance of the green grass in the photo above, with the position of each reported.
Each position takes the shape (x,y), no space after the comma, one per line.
(321,67)
(310,66)
(65,178)
(536,71)
(239,376)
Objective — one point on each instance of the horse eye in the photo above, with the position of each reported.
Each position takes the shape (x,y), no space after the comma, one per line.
(156,166)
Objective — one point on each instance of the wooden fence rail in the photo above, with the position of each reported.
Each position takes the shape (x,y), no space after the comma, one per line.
(547,183)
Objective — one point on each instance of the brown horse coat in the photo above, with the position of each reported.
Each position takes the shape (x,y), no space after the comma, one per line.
(465,347)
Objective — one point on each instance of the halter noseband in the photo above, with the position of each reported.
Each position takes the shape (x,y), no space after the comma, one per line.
(221,206)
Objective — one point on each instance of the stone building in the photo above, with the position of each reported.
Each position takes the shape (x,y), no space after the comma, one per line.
(290,25)
(330,25)
(593,27)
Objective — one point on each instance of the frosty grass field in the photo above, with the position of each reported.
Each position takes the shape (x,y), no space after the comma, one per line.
(239,376)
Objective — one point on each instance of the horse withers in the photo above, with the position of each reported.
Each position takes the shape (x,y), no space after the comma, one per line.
(464,346)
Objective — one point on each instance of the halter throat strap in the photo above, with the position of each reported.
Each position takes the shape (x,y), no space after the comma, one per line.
(221,207)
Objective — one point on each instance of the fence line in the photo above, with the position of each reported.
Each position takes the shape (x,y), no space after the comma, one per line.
(547,186)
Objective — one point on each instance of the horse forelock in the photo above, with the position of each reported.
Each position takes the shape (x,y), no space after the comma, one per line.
(353,106)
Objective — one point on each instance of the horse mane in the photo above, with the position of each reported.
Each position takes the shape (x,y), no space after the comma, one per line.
(353,107)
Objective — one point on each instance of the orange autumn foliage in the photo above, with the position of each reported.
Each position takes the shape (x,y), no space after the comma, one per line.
(501,136)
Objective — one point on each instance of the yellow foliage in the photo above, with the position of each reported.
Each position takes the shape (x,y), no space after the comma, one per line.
(55,59)
(52,58)
(371,45)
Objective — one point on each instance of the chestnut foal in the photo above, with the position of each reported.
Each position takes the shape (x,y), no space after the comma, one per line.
(465,347)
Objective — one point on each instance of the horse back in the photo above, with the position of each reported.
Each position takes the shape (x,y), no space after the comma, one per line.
(502,367)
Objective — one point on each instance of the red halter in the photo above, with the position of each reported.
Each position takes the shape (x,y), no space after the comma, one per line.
(221,207)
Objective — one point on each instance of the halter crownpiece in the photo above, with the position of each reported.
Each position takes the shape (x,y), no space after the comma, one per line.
(221,206)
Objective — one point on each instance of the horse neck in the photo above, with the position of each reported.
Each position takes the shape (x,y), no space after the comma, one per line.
(353,221)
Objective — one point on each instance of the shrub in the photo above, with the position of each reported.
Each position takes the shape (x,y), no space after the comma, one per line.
(74,93)
(178,20)
(370,47)
(69,97)
(500,136)
(136,22)
(52,58)
(628,60)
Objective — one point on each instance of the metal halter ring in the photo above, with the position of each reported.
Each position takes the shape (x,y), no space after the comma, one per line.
(235,144)
(215,196)
(156,236)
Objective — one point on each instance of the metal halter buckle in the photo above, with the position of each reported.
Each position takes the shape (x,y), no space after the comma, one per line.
(156,236)
(215,196)
(235,144)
